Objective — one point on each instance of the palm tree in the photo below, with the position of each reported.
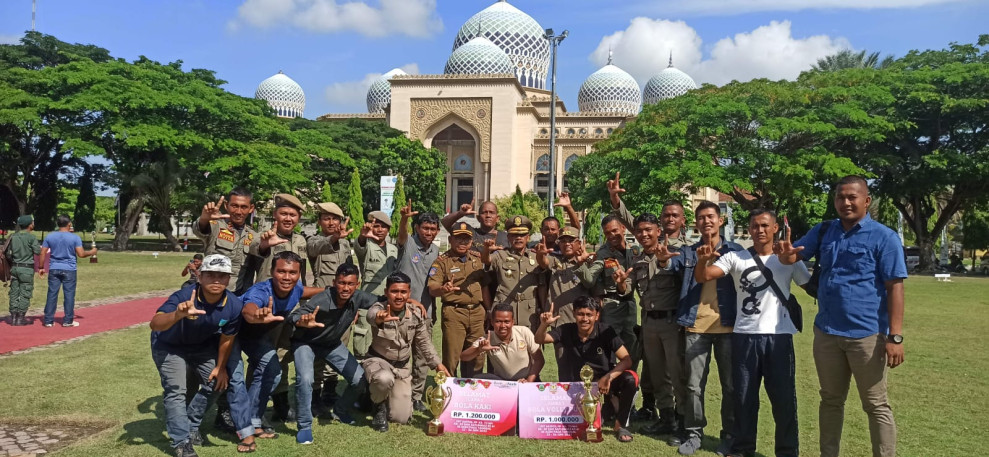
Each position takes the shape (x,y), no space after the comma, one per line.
(156,186)
(846,58)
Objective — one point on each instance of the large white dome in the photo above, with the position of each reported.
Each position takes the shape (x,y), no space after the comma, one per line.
(668,83)
(478,57)
(516,33)
(379,94)
(283,94)
(610,90)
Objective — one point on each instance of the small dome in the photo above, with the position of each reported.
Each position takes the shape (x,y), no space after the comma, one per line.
(379,94)
(479,56)
(668,83)
(516,33)
(610,90)
(283,94)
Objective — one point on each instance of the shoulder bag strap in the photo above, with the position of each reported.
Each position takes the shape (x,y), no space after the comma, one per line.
(769,277)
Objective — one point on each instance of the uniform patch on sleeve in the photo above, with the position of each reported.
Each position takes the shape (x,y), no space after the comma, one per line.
(432,271)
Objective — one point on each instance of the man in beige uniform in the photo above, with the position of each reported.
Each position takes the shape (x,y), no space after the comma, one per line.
(378,259)
(281,237)
(512,349)
(395,329)
(516,272)
(229,235)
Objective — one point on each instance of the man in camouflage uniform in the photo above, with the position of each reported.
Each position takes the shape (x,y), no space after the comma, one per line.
(23,247)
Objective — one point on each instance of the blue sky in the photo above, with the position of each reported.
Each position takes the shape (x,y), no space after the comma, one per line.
(333,49)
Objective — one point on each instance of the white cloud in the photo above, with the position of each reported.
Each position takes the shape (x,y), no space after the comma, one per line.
(415,18)
(10,39)
(769,51)
(726,7)
(351,96)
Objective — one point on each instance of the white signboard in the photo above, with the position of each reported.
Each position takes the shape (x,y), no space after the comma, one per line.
(388,194)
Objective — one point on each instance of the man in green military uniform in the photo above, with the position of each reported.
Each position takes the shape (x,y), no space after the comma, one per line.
(280,238)
(618,309)
(378,259)
(564,280)
(516,272)
(229,235)
(23,247)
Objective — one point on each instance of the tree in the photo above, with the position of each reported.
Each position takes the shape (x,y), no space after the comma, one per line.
(400,201)
(517,204)
(846,58)
(919,129)
(975,230)
(105,212)
(528,204)
(326,193)
(592,224)
(355,203)
(84,218)
(156,187)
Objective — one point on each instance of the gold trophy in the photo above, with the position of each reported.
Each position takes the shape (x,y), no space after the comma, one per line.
(93,246)
(589,406)
(437,399)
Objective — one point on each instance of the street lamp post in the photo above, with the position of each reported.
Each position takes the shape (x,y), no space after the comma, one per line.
(554,41)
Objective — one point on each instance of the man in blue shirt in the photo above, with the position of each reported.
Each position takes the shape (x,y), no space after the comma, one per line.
(195,328)
(63,246)
(859,326)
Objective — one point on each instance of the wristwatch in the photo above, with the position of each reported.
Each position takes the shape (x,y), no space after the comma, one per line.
(896,339)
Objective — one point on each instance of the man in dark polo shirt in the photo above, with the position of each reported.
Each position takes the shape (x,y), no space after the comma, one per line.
(488,219)
(195,328)
(587,341)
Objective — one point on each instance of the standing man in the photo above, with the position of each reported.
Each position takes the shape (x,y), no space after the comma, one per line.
(195,328)
(512,349)
(488,218)
(564,281)
(859,326)
(550,227)
(63,246)
(762,345)
(707,313)
(329,248)
(459,280)
(516,271)
(396,329)
(229,235)
(416,255)
(378,259)
(23,247)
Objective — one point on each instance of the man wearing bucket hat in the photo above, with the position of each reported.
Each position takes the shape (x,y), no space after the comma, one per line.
(378,259)
(196,328)
(21,251)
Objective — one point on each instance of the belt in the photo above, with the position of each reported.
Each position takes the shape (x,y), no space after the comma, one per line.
(23,265)
(463,306)
(616,296)
(394,363)
(660,314)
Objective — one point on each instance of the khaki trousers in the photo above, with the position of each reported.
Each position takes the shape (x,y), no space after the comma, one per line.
(461,328)
(391,384)
(839,358)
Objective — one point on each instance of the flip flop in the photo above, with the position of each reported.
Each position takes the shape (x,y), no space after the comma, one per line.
(267,433)
(250,447)
(623,433)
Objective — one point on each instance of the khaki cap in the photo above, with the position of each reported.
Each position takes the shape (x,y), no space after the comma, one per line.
(288,200)
(330,208)
(569,231)
(462,228)
(518,225)
(381,217)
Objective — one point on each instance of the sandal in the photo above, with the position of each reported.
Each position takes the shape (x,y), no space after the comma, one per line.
(266,433)
(246,448)
(623,435)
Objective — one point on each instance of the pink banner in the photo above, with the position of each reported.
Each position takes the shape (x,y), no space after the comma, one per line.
(481,407)
(550,411)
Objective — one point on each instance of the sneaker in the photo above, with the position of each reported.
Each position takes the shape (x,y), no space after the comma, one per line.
(343,417)
(304,436)
(690,446)
(185,450)
(49,325)
(70,324)
(195,437)
(419,406)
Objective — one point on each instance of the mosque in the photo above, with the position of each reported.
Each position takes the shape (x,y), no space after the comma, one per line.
(489,111)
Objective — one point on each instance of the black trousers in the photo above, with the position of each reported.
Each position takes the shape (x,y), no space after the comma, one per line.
(622,392)
(756,358)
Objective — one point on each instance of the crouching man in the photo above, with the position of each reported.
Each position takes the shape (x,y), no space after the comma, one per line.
(396,328)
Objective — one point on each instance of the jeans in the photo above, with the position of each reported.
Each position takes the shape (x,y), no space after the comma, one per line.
(66,280)
(265,373)
(697,358)
(342,361)
(764,357)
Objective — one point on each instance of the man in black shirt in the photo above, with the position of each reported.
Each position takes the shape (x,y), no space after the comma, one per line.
(587,341)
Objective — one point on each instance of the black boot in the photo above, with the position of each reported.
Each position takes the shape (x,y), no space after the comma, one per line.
(380,421)
(19,320)
(280,407)
(665,425)
(317,406)
(647,412)
(224,421)
(679,434)
(329,391)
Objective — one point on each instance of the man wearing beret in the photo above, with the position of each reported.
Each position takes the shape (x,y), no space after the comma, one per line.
(378,259)
(516,271)
(21,251)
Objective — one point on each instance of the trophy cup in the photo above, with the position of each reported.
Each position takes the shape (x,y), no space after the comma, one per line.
(93,246)
(589,406)
(437,399)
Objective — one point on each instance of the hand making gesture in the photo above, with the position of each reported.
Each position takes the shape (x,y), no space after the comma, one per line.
(187,309)
(563,201)
(548,318)
(707,252)
(615,190)
(582,254)
(309,320)
(662,250)
(484,343)
(344,230)
(784,250)
(211,211)
(407,212)
(468,208)
(449,288)
(384,316)
(367,234)
(620,276)
(266,314)
(270,239)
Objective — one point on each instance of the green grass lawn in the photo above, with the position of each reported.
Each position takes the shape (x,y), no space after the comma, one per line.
(114,275)
(938,396)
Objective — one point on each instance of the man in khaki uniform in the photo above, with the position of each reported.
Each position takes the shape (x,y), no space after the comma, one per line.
(378,259)
(512,349)
(516,272)
(281,237)
(564,279)
(229,235)
(458,279)
(396,328)
(23,247)
(329,248)
(618,310)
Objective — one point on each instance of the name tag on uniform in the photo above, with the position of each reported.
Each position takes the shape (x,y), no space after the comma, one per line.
(610,263)
(226,235)
(454,270)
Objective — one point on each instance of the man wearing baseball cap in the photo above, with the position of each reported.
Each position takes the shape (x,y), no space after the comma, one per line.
(21,251)
(195,328)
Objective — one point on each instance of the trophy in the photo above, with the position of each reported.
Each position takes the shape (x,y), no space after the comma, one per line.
(93,246)
(589,406)
(437,400)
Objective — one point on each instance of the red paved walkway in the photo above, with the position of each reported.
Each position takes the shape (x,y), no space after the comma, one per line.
(93,319)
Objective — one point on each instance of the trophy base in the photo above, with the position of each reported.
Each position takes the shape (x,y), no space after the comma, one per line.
(93,260)
(592,436)
(434,429)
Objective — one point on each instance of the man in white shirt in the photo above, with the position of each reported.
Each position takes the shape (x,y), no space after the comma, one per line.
(512,349)
(762,342)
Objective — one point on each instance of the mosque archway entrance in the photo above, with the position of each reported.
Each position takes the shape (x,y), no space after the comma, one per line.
(463,180)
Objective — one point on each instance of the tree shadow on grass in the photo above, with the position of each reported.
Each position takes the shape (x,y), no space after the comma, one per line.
(148,431)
